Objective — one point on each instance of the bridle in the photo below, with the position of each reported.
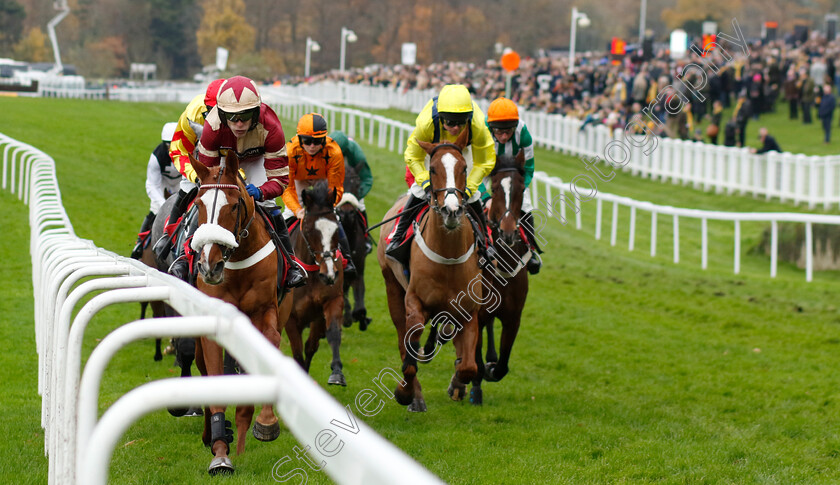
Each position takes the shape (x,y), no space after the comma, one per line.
(494,225)
(323,254)
(447,190)
(238,234)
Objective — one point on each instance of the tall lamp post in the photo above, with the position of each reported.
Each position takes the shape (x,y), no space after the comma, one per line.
(311,46)
(583,19)
(347,35)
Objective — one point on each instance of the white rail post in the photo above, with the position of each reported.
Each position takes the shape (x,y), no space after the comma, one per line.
(737,246)
(774,247)
(653,233)
(598,212)
(809,251)
(704,228)
(631,242)
(614,229)
(676,238)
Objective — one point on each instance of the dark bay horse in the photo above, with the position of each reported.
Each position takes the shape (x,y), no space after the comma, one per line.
(229,233)
(354,224)
(508,278)
(442,265)
(320,303)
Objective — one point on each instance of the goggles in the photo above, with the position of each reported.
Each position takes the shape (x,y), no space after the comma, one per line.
(241,116)
(312,141)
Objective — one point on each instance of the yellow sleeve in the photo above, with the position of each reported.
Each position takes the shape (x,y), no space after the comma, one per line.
(415,156)
(483,151)
(290,196)
(184,139)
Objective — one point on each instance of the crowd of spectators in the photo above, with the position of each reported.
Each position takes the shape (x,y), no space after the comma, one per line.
(611,92)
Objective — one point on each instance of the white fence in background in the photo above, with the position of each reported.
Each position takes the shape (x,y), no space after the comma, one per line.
(557,196)
(78,443)
(788,177)
(391,135)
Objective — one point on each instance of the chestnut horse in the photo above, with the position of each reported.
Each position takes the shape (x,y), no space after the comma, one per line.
(229,235)
(442,265)
(320,303)
(508,279)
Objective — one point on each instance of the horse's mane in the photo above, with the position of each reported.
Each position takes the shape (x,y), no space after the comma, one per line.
(319,194)
(505,161)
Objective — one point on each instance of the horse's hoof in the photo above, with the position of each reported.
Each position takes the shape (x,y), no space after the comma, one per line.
(417,406)
(403,399)
(264,432)
(347,323)
(476,396)
(221,465)
(363,324)
(178,412)
(337,379)
(195,411)
(492,372)
(456,390)
(158,357)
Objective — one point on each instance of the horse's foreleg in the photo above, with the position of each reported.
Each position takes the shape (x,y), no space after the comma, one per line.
(217,432)
(415,320)
(359,309)
(496,371)
(476,395)
(266,427)
(332,315)
(465,342)
(316,333)
(491,355)
(295,339)
(244,414)
(348,319)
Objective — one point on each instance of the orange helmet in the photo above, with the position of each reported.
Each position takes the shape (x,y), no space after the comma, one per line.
(502,113)
(312,125)
(212,92)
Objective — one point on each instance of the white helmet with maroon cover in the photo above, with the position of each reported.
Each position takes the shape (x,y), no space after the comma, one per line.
(238,94)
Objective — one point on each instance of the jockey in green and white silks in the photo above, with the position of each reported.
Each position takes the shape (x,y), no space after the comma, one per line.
(510,135)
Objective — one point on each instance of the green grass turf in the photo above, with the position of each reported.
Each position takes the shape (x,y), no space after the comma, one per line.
(627,368)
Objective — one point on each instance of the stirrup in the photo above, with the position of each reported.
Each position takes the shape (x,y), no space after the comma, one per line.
(534,263)
(162,247)
(295,281)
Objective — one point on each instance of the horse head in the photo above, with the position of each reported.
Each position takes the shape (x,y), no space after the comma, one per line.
(448,176)
(319,229)
(222,216)
(508,185)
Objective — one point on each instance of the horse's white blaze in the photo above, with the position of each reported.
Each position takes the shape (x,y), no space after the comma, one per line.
(211,232)
(327,229)
(449,161)
(506,186)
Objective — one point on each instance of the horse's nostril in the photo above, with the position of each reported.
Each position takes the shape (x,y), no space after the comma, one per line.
(220,266)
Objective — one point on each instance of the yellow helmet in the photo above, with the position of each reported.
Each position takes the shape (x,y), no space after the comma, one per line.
(454,102)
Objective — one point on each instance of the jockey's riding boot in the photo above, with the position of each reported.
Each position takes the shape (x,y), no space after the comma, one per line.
(535,262)
(143,235)
(368,239)
(489,251)
(164,245)
(295,277)
(406,217)
(180,268)
(344,245)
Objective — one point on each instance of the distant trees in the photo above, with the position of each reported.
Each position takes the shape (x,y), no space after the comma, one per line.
(32,47)
(11,24)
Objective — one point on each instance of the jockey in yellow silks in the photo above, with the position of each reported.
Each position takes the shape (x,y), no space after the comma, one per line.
(442,120)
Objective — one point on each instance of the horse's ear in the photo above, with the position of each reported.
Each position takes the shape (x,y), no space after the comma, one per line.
(232,162)
(304,197)
(200,169)
(463,138)
(520,160)
(428,147)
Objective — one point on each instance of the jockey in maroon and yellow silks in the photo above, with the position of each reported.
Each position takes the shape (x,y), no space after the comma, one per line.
(327,164)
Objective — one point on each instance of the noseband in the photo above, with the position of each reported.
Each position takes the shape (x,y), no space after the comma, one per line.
(227,251)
